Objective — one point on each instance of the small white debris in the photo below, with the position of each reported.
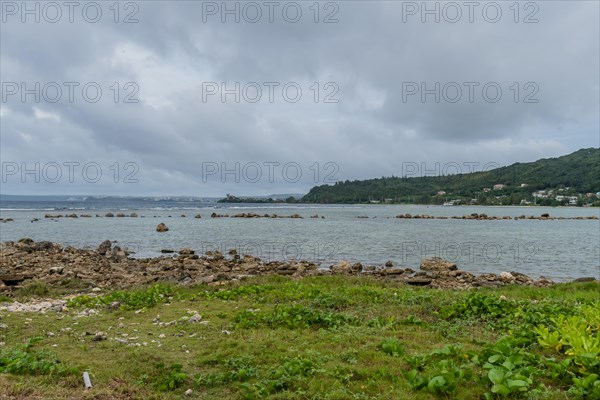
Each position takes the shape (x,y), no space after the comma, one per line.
(86,380)
(226,332)
(189,392)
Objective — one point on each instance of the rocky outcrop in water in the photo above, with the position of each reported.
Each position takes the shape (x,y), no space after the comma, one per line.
(161,227)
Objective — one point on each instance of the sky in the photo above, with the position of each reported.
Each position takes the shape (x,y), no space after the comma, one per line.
(255,98)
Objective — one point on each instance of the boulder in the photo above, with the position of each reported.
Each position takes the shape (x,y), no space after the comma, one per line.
(342,267)
(161,227)
(186,251)
(585,279)
(507,277)
(419,281)
(104,247)
(437,264)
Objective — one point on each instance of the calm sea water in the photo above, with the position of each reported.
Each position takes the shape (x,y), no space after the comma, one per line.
(560,249)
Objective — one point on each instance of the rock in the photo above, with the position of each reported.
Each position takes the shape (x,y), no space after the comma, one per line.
(133,215)
(114,305)
(506,277)
(197,216)
(437,264)
(56,270)
(585,279)
(521,278)
(167,251)
(543,281)
(389,264)
(186,251)
(161,227)
(99,336)
(206,279)
(195,318)
(109,215)
(419,281)
(104,247)
(189,392)
(342,267)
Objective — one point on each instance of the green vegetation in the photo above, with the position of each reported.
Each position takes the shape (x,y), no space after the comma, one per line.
(578,171)
(329,337)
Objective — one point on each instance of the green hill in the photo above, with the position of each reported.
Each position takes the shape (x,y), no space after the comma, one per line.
(574,174)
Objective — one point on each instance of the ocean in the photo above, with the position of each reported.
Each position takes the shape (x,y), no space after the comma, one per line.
(558,249)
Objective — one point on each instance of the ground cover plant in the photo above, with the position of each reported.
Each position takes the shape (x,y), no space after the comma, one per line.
(330,337)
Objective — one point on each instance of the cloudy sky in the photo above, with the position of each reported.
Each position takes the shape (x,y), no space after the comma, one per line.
(254,98)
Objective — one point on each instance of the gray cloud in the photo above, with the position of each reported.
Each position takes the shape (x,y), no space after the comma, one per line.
(370,58)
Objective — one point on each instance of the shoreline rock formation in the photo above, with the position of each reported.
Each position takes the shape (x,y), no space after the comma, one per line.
(110,266)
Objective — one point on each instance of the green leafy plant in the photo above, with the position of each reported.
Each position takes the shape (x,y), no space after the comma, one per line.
(169,378)
(128,300)
(25,360)
(443,380)
(393,347)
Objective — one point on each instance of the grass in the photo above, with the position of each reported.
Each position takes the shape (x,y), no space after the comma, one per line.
(317,338)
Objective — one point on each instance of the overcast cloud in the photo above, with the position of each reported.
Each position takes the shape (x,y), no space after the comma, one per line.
(371,61)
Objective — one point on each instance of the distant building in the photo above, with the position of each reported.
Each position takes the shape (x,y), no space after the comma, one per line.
(485,190)
(441,193)
(524,184)
(573,200)
(499,186)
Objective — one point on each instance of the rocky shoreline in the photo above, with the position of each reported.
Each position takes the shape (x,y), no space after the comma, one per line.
(110,267)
